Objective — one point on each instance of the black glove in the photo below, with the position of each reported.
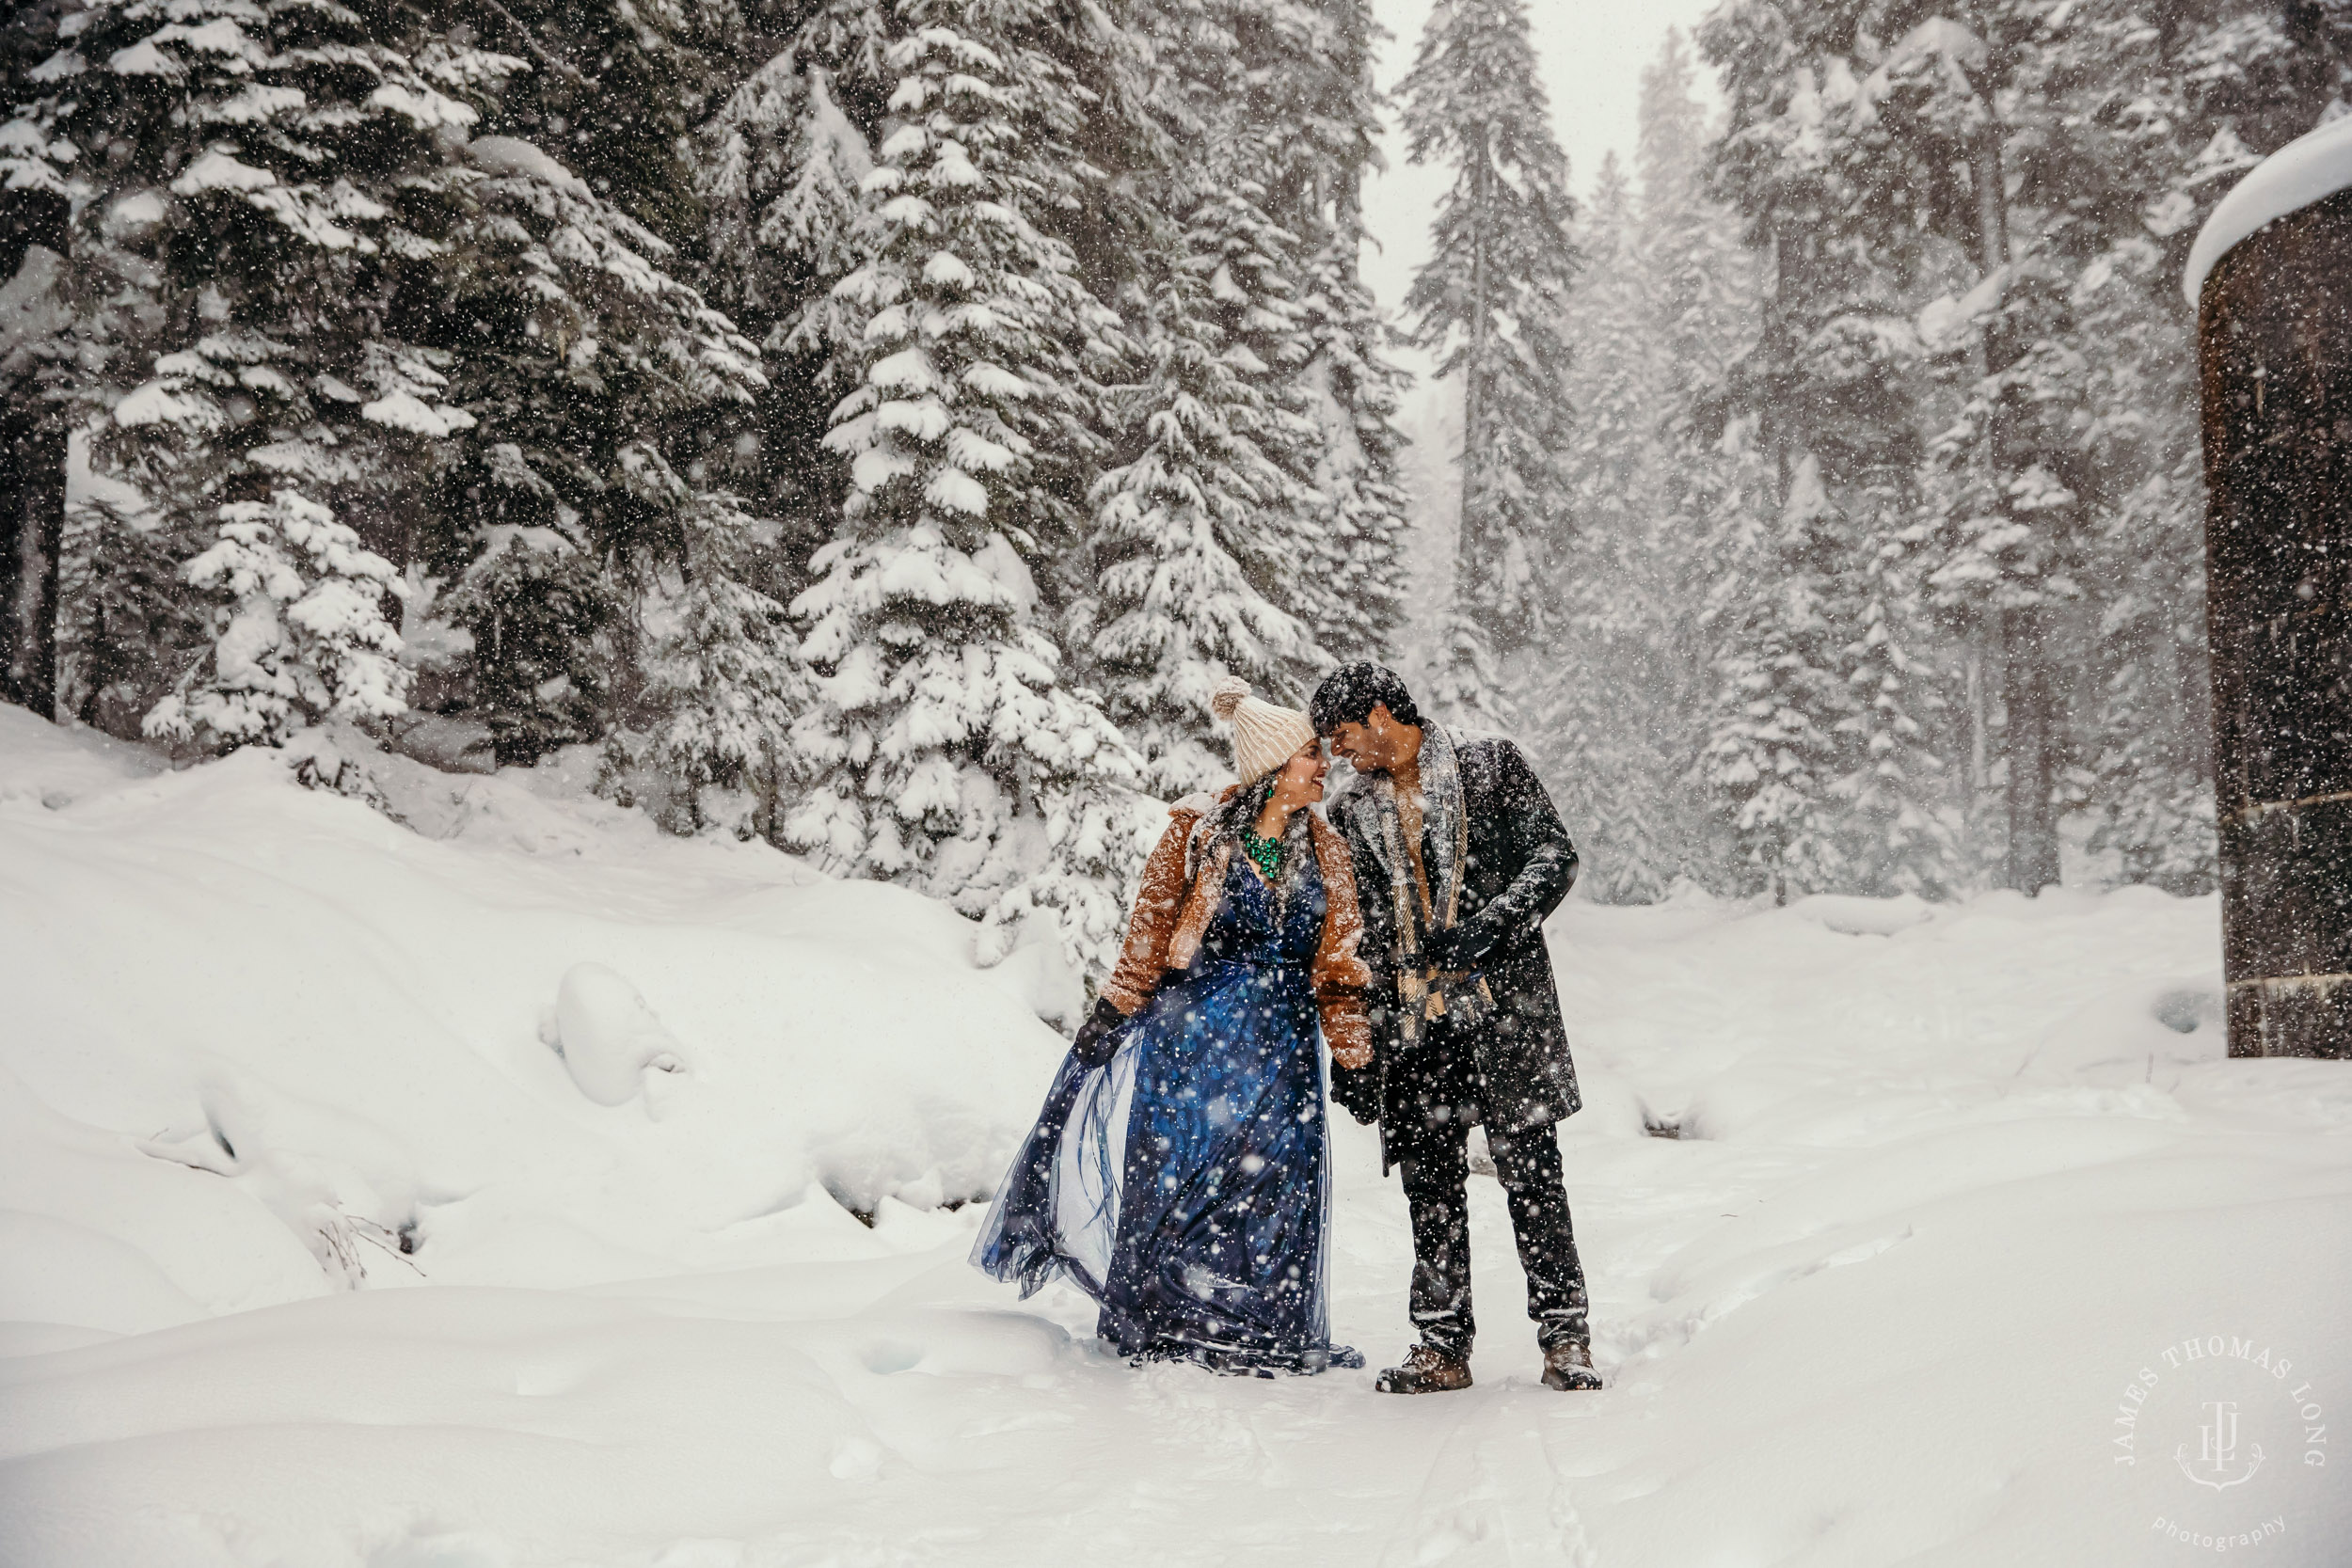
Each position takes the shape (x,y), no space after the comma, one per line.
(1091,1046)
(1455,949)
(1359,1089)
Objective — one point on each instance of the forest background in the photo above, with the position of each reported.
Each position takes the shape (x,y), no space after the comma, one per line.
(874,425)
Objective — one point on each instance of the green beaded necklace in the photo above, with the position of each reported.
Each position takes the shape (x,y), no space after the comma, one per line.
(1265,854)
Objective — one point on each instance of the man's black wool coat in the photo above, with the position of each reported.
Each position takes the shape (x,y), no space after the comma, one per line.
(1512,1071)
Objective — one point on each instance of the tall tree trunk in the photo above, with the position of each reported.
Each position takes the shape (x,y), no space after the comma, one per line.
(1979,720)
(2026,694)
(2027,698)
(1474,369)
(32,529)
(32,451)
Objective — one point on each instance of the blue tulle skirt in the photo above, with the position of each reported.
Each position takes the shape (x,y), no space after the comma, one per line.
(1185,1185)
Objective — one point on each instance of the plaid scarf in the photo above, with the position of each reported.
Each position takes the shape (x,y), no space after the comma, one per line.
(1422,993)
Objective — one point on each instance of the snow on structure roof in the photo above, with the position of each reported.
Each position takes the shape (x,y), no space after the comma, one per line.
(2310,168)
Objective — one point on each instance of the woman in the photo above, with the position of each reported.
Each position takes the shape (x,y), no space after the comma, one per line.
(1178,1172)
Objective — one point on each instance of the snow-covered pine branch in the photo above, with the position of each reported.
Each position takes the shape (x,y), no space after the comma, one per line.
(1487,305)
(945,747)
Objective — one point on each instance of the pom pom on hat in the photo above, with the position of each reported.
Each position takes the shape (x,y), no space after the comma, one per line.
(1265,737)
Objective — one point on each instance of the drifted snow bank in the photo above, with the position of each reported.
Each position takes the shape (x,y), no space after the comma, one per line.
(1947,1179)
(272,1044)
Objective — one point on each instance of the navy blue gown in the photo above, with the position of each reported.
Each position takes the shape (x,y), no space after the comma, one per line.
(1186,1185)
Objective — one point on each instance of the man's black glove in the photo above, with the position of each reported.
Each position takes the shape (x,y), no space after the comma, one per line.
(1359,1089)
(1454,948)
(1091,1046)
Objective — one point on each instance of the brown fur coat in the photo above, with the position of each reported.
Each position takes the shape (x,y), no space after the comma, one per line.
(1179,899)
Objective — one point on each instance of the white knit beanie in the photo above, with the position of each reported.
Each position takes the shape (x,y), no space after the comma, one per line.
(1265,737)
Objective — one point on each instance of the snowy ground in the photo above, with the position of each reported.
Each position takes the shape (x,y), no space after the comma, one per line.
(319,1250)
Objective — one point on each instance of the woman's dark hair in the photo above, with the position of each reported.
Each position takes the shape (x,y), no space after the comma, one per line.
(1349,694)
(1241,812)
(1233,818)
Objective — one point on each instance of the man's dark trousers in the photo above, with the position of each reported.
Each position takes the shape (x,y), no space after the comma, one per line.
(1437,1181)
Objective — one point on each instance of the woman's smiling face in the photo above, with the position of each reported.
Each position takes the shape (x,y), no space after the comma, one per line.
(1301,780)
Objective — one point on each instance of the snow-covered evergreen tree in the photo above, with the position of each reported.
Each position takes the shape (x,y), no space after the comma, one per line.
(127,625)
(1701,299)
(946,749)
(249,232)
(531,609)
(576,352)
(615,91)
(781,165)
(1594,691)
(578,347)
(1206,527)
(1355,592)
(724,674)
(1487,305)
(1897,837)
(1621,691)
(1181,547)
(1618,383)
(305,638)
(1773,752)
(1356,582)
(1835,384)
(1702,281)
(2152,119)
(2147,750)
(2151,771)
(36,373)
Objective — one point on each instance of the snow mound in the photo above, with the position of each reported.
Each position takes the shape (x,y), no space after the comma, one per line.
(286,1046)
(2312,167)
(607,1035)
(1856,917)
(53,765)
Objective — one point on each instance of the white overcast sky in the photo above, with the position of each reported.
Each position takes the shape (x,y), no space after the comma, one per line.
(1591,54)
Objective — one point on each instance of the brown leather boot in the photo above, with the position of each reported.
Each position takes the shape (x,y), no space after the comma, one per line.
(1426,1371)
(1569,1367)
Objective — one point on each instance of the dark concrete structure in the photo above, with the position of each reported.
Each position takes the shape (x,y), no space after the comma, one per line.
(2275,353)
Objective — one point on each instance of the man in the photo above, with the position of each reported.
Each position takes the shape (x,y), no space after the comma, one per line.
(1459,856)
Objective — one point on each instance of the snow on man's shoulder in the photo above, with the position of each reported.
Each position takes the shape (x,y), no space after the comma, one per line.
(1483,740)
